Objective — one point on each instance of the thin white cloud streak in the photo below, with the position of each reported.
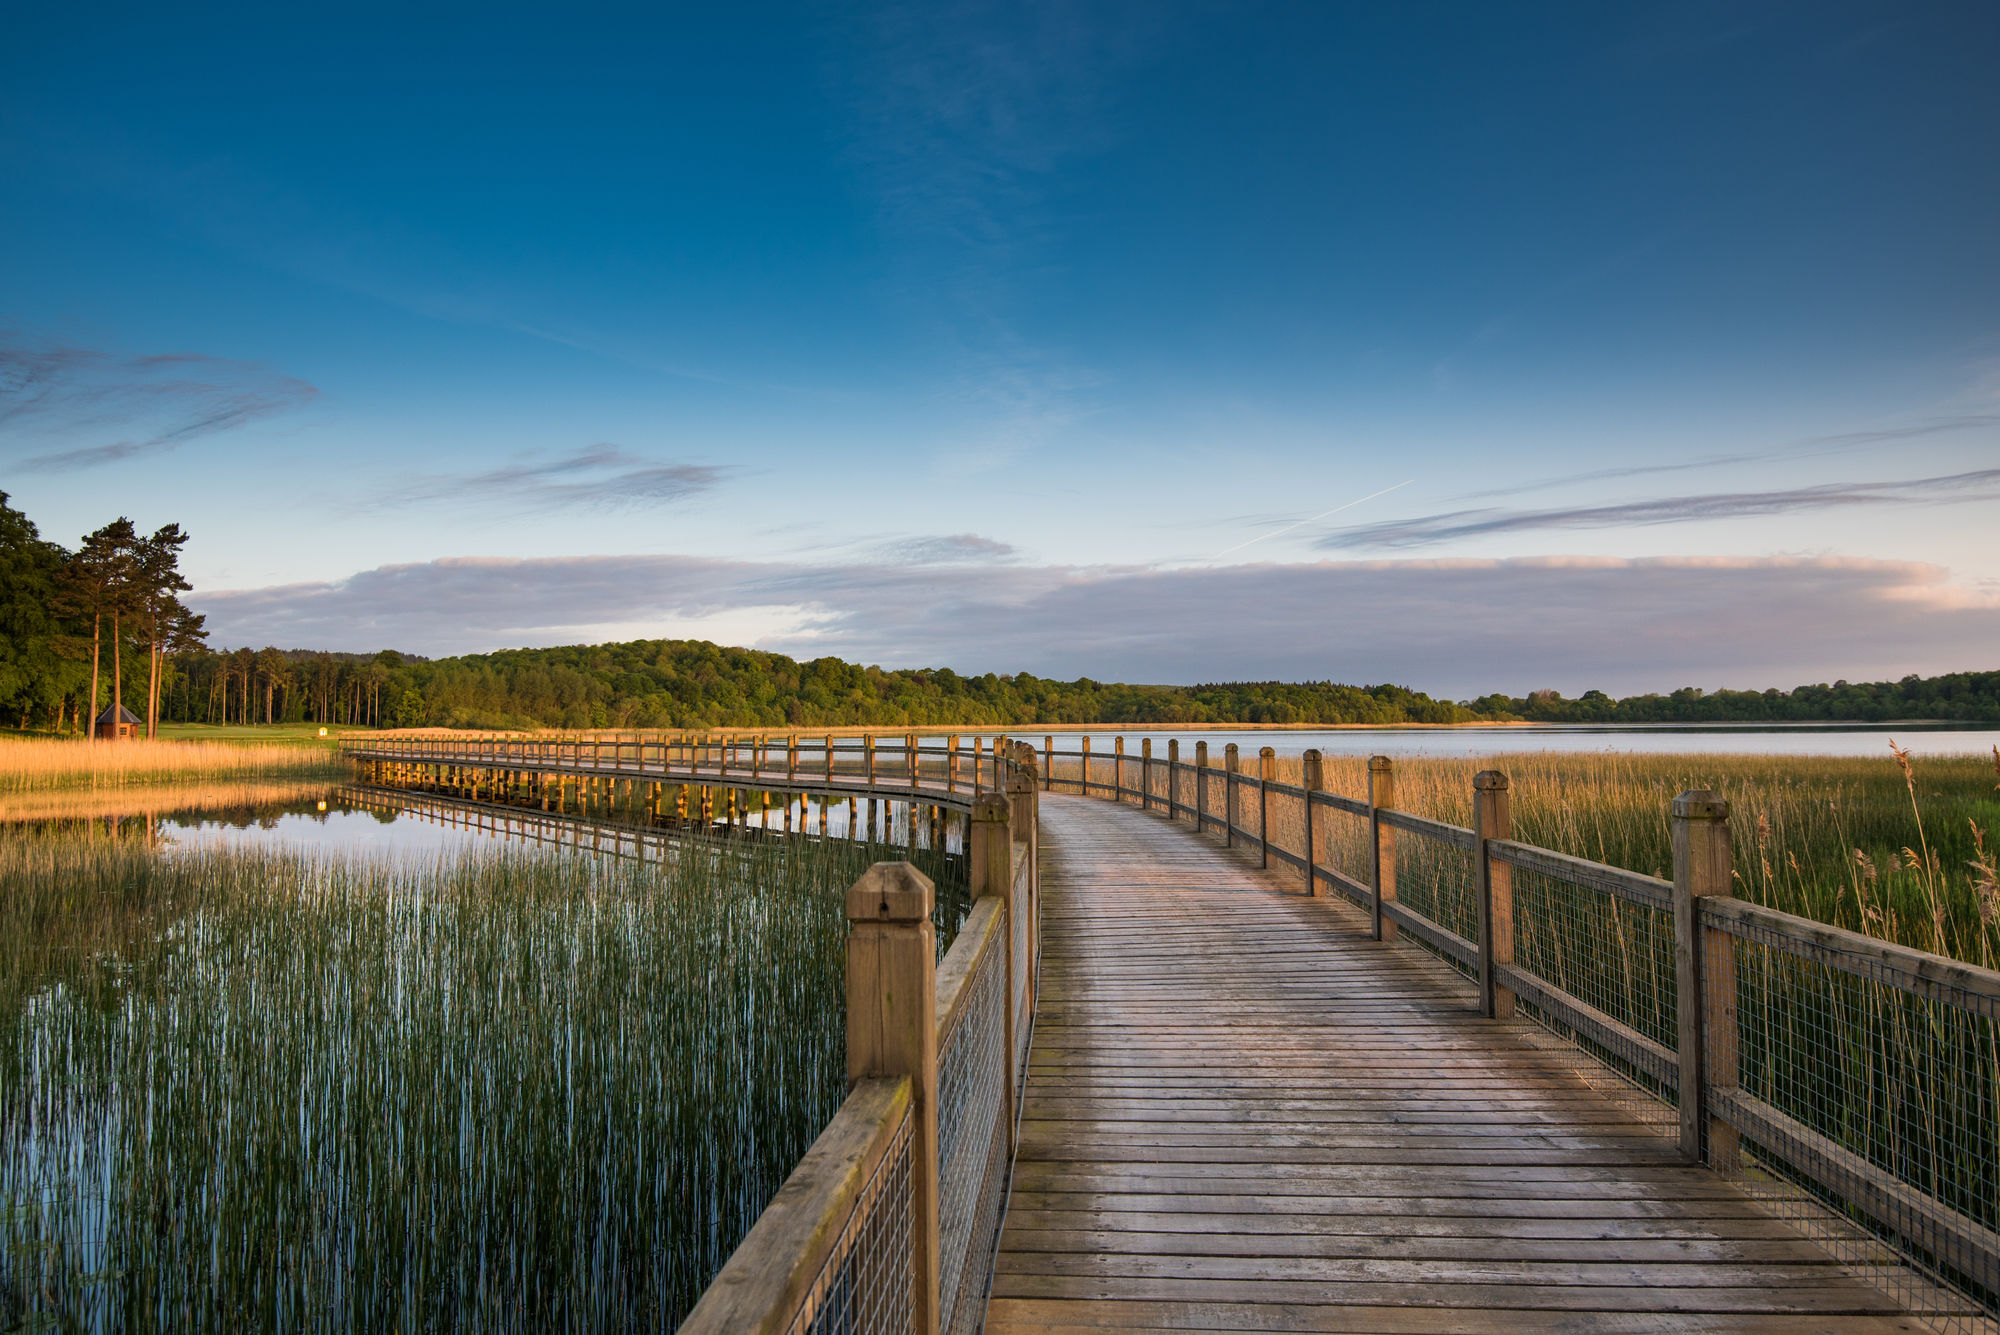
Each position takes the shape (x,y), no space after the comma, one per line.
(600,477)
(1454,627)
(1810,448)
(1312,519)
(1431,530)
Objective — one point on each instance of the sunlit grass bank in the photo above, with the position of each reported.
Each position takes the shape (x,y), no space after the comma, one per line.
(509,1091)
(31,765)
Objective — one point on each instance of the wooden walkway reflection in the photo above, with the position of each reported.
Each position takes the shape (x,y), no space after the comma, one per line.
(1243,1114)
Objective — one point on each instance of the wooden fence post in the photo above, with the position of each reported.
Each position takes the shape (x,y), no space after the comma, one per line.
(1200,787)
(892,1031)
(1118,770)
(1048,764)
(987,852)
(1173,777)
(1267,774)
(1145,774)
(1381,798)
(1313,782)
(1232,761)
(1493,884)
(951,763)
(1083,785)
(1704,974)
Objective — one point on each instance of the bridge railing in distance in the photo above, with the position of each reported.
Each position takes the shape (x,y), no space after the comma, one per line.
(904,765)
(891,1221)
(1852,1083)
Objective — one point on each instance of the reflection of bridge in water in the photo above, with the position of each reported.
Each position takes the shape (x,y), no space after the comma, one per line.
(1243,1054)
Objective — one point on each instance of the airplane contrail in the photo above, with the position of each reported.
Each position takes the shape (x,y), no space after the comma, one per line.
(1309,519)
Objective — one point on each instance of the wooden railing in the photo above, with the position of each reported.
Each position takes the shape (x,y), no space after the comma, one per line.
(890,1222)
(945,773)
(1852,1082)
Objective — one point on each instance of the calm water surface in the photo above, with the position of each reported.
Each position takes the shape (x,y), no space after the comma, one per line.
(1797,740)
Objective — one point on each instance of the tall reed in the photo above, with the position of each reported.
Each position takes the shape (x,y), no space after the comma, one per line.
(508,1091)
(42,764)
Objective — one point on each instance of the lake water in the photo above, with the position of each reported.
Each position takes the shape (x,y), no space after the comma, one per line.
(1794,740)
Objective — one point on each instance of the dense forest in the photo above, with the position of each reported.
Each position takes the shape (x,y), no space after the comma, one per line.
(105,621)
(1967,696)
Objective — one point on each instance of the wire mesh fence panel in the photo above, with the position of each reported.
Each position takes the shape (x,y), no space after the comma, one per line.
(1285,826)
(1868,1113)
(1614,955)
(973,1070)
(865,1287)
(1024,1002)
(1434,879)
(1181,777)
(1343,844)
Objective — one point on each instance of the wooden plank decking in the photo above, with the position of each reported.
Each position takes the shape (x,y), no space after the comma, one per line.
(1242,1114)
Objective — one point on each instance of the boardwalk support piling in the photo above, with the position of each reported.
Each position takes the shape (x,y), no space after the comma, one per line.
(1705,978)
(1232,761)
(1381,798)
(1493,884)
(1314,782)
(892,1031)
(1200,787)
(1267,774)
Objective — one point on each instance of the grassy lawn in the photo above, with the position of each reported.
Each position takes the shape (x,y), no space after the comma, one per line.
(255,732)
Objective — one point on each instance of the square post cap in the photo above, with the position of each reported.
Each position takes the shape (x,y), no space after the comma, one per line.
(1492,781)
(986,807)
(1701,804)
(1379,764)
(891,892)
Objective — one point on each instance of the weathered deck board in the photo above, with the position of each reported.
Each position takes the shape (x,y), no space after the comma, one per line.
(1243,1114)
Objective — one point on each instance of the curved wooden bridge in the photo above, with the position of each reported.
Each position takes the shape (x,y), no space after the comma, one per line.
(1243,1113)
(1228,1053)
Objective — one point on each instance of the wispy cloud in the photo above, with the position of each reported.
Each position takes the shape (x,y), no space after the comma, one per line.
(1430,530)
(1571,623)
(1808,448)
(72,398)
(598,477)
(947,549)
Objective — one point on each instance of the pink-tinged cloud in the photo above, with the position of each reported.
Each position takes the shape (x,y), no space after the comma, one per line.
(1453,627)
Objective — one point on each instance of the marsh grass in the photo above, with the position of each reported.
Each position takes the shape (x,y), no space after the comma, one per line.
(61,806)
(1896,848)
(41,765)
(506,1091)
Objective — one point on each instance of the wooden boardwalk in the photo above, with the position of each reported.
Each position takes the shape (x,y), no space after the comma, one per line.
(1243,1114)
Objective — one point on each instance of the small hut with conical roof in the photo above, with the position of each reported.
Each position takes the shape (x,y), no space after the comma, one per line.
(116,723)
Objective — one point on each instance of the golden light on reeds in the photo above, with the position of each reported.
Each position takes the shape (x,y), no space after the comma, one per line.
(39,764)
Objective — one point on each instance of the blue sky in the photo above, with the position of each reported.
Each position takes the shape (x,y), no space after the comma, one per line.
(1475,347)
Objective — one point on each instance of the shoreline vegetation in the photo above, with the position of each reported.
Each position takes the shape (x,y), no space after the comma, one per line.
(519,1088)
(695,685)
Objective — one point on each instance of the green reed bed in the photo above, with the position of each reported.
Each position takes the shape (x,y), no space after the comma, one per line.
(512,1090)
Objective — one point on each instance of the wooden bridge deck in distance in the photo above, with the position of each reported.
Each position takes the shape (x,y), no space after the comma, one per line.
(1244,1114)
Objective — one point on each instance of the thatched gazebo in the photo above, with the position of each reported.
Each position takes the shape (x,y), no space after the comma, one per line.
(117,722)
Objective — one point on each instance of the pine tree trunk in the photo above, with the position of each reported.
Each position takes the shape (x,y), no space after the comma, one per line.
(96,639)
(117,675)
(153,683)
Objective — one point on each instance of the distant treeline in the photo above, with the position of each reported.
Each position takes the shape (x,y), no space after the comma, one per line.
(1973,697)
(695,684)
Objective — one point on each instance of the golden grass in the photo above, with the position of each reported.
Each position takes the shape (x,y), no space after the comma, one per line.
(140,802)
(44,765)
